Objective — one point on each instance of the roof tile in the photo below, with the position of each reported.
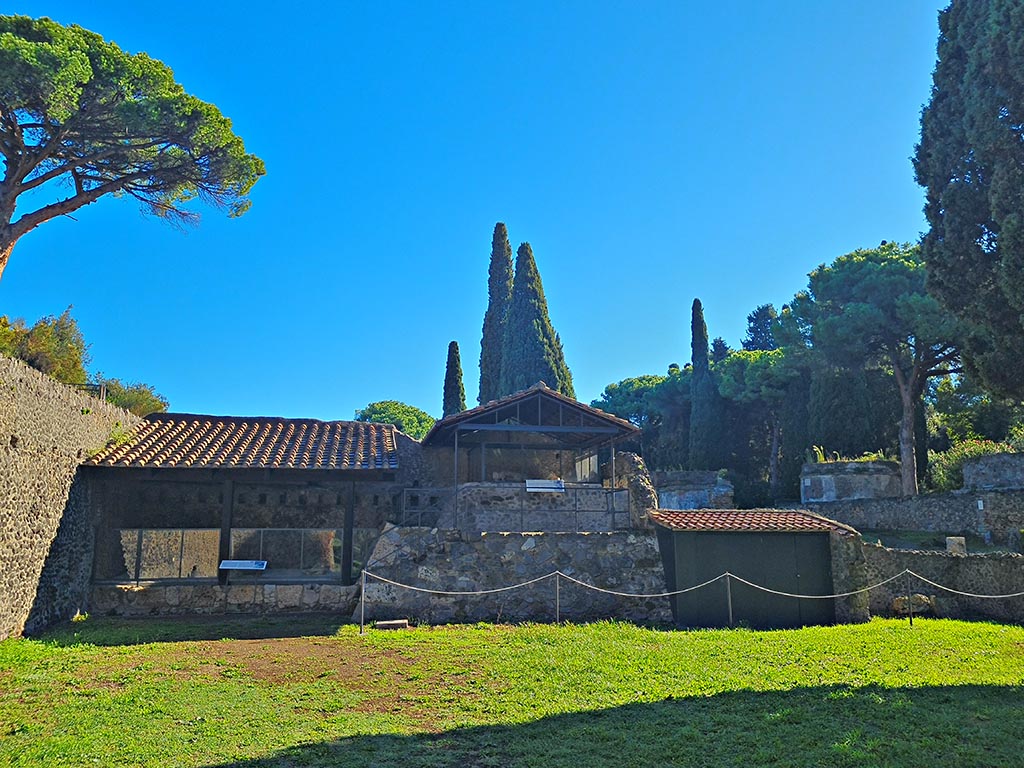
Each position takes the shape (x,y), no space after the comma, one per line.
(763,520)
(187,440)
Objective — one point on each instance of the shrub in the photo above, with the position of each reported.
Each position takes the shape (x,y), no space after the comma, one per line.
(946,469)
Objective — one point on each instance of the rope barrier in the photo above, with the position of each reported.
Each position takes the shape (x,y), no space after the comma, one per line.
(726,574)
(965,594)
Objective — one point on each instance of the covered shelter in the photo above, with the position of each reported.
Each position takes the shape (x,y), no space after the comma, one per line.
(535,451)
(783,550)
(181,494)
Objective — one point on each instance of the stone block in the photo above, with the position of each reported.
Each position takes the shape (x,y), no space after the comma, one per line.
(289,596)
(956,545)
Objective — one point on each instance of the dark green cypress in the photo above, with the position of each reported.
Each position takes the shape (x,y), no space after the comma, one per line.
(454,392)
(532,351)
(499,296)
(705,423)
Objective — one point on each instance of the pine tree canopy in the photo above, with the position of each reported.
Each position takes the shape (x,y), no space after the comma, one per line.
(80,118)
(499,296)
(532,351)
(454,393)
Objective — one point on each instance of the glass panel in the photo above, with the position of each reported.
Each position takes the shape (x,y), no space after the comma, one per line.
(161,554)
(321,551)
(282,549)
(115,554)
(200,554)
(245,544)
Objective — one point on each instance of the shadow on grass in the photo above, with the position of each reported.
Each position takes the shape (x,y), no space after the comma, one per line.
(122,631)
(817,726)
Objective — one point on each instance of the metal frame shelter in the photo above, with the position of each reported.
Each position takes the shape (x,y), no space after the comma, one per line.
(538,418)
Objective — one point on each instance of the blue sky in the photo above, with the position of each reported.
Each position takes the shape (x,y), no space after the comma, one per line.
(650,153)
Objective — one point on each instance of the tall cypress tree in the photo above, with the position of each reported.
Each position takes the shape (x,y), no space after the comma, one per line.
(454,392)
(705,423)
(532,350)
(499,296)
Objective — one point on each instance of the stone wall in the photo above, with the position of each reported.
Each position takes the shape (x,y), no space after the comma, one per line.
(162,599)
(842,480)
(449,560)
(1000,471)
(849,574)
(692,489)
(995,515)
(989,574)
(46,533)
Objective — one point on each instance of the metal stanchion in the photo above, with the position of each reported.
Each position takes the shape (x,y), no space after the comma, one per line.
(362,602)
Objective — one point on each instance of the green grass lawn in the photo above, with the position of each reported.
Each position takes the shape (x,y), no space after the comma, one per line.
(305,691)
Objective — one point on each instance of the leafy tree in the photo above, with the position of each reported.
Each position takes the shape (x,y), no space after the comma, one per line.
(140,399)
(77,110)
(762,379)
(869,308)
(499,297)
(961,410)
(705,411)
(532,351)
(407,418)
(666,437)
(628,399)
(53,345)
(719,350)
(760,329)
(969,160)
(454,393)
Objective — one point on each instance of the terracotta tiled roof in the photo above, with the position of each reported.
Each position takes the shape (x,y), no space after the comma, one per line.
(186,440)
(764,520)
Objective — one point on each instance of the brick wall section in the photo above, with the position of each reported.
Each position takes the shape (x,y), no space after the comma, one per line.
(954,513)
(46,429)
(989,574)
(453,561)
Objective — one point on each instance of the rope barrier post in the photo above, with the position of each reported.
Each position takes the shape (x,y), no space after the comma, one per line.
(362,603)
(728,595)
(558,598)
(910,600)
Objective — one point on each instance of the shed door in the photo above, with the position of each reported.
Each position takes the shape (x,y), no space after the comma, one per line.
(786,562)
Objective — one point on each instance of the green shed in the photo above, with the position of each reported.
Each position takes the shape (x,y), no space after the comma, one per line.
(782,550)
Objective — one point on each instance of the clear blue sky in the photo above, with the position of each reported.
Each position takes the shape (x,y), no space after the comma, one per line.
(650,153)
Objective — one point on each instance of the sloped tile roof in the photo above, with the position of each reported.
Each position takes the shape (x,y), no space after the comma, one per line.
(183,440)
(626,428)
(759,520)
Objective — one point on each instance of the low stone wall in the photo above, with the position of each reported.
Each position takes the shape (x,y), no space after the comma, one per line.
(989,574)
(1000,471)
(999,518)
(46,532)
(842,480)
(449,560)
(164,599)
(692,489)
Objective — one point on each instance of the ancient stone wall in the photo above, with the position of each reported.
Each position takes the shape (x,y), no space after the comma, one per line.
(449,560)
(988,574)
(842,480)
(1000,471)
(994,515)
(692,489)
(849,574)
(46,533)
(160,599)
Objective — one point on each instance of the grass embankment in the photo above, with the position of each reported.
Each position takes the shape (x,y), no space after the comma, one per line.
(117,693)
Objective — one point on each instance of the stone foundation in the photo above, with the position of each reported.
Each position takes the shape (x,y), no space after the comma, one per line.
(165,599)
(453,561)
(843,480)
(989,574)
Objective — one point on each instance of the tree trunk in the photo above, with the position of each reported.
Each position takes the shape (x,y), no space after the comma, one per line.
(908,462)
(5,254)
